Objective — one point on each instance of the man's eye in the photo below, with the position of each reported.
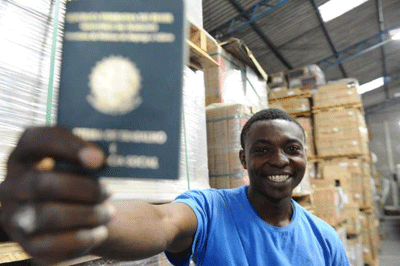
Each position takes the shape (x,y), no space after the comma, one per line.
(261,150)
(294,148)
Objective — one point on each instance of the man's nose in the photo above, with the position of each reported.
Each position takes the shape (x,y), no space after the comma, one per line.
(278,159)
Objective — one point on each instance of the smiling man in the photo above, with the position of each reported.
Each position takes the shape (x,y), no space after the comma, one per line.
(56,215)
(261,224)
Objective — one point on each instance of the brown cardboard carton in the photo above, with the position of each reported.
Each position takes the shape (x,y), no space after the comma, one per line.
(327,204)
(294,106)
(341,92)
(340,132)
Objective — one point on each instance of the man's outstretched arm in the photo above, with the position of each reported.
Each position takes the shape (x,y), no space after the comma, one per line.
(57,215)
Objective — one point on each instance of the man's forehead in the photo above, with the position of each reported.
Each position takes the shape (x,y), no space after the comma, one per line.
(275,126)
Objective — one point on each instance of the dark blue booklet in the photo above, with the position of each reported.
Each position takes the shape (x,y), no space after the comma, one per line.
(121,82)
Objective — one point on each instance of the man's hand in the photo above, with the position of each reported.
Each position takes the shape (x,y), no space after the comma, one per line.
(54,215)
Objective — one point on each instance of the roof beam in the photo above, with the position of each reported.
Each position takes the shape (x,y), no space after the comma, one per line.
(382,28)
(245,18)
(328,37)
(358,49)
(257,30)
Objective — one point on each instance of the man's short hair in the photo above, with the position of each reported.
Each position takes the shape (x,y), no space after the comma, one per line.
(267,114)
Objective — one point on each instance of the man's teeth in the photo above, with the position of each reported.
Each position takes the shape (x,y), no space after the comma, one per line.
(278,178)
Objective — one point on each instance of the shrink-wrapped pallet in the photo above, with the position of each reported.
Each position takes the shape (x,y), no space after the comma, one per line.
(337,93)
(340,132)
(233,81)
(193,169)
(224,125)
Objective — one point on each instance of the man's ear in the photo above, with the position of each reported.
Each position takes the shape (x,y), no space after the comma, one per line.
(242,158)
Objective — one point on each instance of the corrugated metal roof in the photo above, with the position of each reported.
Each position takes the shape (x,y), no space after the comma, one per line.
(295,31)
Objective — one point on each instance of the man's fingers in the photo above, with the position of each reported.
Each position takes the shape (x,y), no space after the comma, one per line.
(38,143)
(44,218)
(53,248)
(53,186)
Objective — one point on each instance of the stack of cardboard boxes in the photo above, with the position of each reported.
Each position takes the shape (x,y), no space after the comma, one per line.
(341,139)
(235,90)
(337,147)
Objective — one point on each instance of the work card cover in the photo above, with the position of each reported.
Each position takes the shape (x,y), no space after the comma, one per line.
(121,82)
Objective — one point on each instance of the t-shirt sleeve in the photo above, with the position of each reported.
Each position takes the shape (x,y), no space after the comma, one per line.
(199,201)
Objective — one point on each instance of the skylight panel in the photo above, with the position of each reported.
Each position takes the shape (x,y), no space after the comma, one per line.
(335,8)
(372,85)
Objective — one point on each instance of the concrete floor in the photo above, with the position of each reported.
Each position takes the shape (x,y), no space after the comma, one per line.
(390,244)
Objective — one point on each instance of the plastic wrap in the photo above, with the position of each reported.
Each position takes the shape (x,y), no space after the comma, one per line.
(340,132)
(338,93)
(194,12)
(224,125)
(233,82)
(307,77)
(193,156)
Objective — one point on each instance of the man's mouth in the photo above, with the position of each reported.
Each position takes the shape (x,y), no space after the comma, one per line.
(278,178)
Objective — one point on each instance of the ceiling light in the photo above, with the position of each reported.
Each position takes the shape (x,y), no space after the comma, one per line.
(395,34)
(335,8)
(372,85)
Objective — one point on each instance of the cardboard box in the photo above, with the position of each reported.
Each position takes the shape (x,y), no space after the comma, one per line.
(341,92)
(353,176)
(327,204)
(340,133)
(224,124)
(293,106)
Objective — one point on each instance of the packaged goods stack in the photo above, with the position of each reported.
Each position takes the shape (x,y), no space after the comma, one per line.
(341,141)
(337,149)
(224,124)
(237,79)
(234,91)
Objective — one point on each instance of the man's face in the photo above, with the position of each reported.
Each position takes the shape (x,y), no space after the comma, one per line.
(275,157)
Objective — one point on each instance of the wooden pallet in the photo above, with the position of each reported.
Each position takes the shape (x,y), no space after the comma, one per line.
(10,252)
(317,110)
(200,42)
(301,114)
(304,94)
(338,155)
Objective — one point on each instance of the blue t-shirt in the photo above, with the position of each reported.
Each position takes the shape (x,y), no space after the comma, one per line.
(230,232)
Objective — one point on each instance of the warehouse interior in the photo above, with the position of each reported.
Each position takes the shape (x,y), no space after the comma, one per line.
(334,65)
